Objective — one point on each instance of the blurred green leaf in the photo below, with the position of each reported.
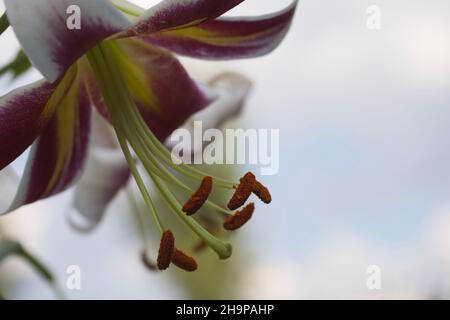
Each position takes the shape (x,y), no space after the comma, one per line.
(18,66)
(4,23)
(8,248)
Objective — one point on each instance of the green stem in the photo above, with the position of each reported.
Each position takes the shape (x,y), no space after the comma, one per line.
(140,182)
(112,88)
(117,99)
(37,265)
(161,151)
(152,164)
(149,160)
(222,249)
(8,247)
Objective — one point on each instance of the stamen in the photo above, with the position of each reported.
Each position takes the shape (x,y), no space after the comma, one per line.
(212,228)
(240,218)
(148,262)
(131,129)
(183,261)
(166,250)
(243,191)
(262,192)
(165,155)
(223,250)
(198,199)
(184,169)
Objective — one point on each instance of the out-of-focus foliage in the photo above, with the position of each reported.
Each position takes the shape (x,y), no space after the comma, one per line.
(4,23)
(18,66)
(9,248)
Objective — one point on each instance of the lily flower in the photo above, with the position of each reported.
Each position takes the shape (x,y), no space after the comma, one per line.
(121,61)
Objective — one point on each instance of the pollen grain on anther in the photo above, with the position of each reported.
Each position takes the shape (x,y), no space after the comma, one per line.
(183,261)
(198,199)
(166,250)
(240,218)
(242,192)
(262,192)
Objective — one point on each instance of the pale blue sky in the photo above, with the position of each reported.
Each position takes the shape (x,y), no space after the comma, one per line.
(365,160)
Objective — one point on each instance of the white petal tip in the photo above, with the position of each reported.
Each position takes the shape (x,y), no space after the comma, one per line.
(80,222)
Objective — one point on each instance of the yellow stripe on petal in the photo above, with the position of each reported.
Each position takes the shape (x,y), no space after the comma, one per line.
(188,25)
(66,128)
(227,38)
(60,92)
(57,155)
(134,76)
(214,38)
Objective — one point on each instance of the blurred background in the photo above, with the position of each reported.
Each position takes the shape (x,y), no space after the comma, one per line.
(364,119)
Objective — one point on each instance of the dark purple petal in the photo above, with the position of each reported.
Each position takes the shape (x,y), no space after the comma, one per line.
(228,38)
(57,157)
(25,112)
(170,14)
(170,95)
